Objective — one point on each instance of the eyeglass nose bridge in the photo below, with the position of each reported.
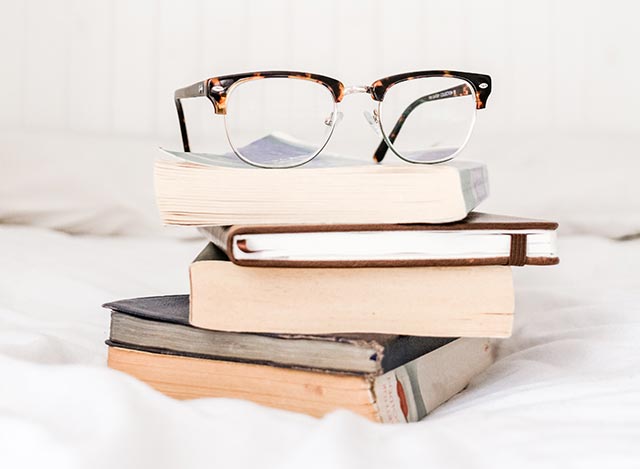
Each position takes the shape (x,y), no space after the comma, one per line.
(357,89)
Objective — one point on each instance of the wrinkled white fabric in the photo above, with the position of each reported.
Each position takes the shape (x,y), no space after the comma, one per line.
(565,391)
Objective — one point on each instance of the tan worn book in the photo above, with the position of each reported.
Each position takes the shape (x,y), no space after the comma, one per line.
(424,301)
(479,239)
(222,190)
(405,394)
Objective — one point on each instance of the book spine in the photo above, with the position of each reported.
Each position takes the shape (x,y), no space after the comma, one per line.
(410,392)
(475,185)
(218,235)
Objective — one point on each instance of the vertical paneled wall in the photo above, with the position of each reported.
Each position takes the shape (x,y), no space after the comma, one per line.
(110,66)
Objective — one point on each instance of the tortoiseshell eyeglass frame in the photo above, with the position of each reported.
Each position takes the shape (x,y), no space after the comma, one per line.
(216,90)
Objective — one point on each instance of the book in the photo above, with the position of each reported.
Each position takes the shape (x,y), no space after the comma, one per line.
(479,239)
(460,301)
(197,189)
(406,394)
(161,323)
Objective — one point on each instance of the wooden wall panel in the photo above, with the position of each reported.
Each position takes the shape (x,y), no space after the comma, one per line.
(110,66)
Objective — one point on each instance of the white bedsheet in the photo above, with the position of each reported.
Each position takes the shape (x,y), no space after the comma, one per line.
(565,391)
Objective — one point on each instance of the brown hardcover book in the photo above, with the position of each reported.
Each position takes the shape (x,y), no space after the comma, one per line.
(405,394)
(423,301)
(480,239)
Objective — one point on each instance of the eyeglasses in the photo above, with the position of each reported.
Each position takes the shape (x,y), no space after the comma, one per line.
(423,117)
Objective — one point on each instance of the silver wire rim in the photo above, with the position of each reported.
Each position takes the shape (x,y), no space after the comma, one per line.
(441,160)
(334,120)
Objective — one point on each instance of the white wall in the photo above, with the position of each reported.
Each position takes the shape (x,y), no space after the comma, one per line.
(110,67)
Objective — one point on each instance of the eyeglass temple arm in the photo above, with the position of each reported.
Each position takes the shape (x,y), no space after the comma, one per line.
(460,90)
(193,91)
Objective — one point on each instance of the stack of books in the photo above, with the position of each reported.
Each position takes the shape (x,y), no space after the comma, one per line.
(337,285)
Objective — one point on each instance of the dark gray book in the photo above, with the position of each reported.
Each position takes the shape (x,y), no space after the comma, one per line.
(160,324)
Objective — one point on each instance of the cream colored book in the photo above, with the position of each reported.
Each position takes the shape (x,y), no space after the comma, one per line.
(405,394)
(202,189)
(461,301)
